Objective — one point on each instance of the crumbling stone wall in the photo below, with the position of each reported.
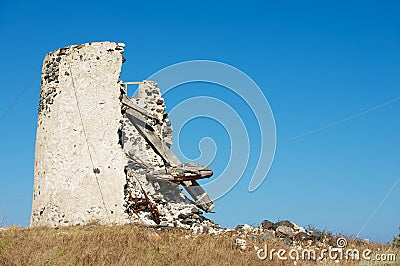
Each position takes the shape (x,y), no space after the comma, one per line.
(173,208)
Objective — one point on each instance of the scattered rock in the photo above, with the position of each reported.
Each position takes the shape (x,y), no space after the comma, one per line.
(301,236)
(315,236)
(187,221)
(183,216)
(153,236)
(241,243)
(285,223)
(365,241)
(297,228)
(244,228)
(287,241)
(284,231)
(268,225)
(267,235)
(195,210)
(206,229)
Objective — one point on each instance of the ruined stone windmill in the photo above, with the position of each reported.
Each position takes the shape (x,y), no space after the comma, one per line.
(104,157)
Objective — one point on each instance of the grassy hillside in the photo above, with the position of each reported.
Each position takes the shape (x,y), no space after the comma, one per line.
(136,245)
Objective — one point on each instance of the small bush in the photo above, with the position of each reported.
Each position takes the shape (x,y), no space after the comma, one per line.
(396,241)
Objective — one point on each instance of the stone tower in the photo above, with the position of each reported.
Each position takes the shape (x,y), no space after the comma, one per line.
(102,156)
(79,165)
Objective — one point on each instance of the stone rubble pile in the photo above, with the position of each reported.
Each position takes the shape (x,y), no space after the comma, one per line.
(172,208)
(289,233)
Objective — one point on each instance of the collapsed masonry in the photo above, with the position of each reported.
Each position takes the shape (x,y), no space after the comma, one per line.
(104,157)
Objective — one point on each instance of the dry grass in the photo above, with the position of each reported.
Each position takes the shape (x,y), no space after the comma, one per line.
(131,245)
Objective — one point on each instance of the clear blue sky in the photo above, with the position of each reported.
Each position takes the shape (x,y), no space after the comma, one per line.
(317,62)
